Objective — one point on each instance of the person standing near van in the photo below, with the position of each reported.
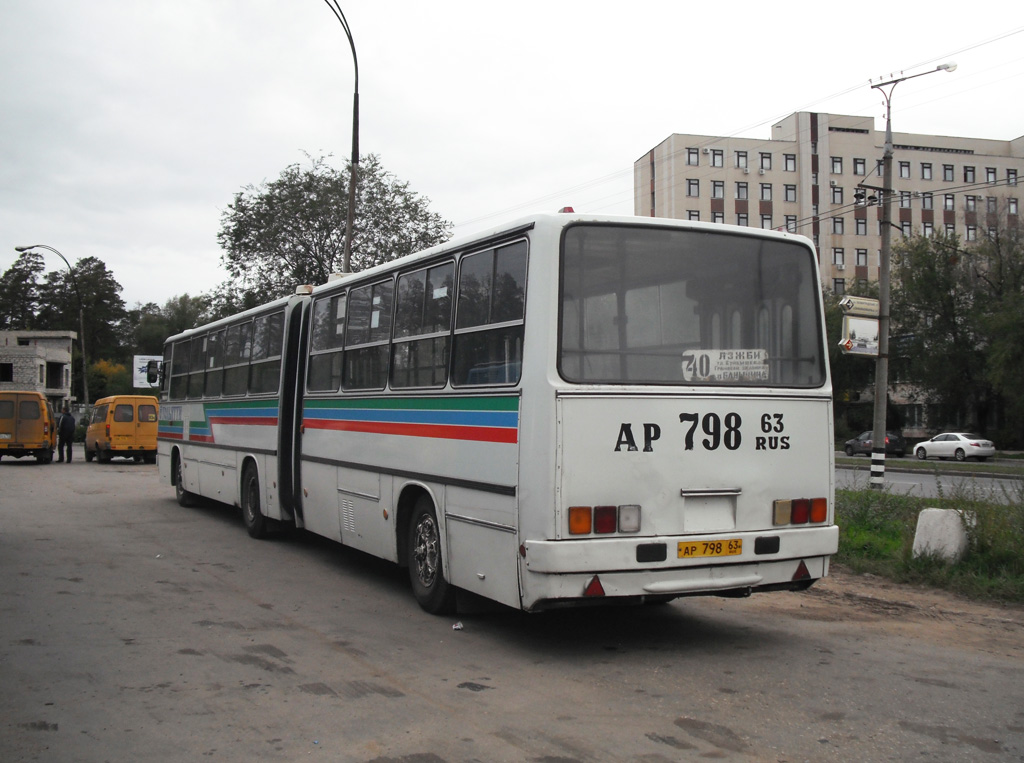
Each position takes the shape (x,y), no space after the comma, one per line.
(65,434)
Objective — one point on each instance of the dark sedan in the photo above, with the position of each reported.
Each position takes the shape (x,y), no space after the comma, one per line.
(895,445)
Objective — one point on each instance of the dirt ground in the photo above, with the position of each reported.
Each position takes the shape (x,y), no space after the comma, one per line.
(916,611)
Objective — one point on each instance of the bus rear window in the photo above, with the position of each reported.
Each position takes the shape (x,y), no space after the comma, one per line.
(644,305)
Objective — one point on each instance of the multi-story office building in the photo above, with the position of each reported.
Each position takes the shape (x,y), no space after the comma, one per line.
(804,178)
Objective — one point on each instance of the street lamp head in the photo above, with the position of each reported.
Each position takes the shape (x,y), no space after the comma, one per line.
(947,67)
(24,248)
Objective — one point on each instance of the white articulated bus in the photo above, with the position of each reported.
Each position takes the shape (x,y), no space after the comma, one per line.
(570,409)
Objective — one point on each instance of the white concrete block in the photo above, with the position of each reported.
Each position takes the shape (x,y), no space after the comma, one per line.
(941,533)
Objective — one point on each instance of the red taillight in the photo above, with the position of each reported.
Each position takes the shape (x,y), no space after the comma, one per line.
(801,511)
(108,431)
(605,519)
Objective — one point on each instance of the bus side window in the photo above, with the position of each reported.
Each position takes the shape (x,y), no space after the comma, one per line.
(197,367)
(179,370)
(267,339)
(326,340)
(214,364)
(367,336)
(423,325)
(237,347)
(489,319)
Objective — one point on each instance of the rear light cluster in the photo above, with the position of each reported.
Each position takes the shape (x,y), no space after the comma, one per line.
(604,520)
(799,511)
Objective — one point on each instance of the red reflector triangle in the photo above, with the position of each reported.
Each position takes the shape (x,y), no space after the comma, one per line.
(594,588)
(801,572)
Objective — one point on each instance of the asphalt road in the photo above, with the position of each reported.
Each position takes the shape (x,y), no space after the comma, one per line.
(134,630)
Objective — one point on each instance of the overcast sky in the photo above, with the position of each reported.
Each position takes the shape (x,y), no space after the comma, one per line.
(126,127)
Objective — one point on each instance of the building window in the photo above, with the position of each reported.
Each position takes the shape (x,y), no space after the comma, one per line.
(693,188)
(693,214)
(905,229)
(790,162)
(741,219)
(716,157)
(6,372)
(718,217)
(926,171)
(991,233)
(766,191)
(791,223)
(837,226)
(878,168)
(904,199)
(741,191)
(1011,177)
(839,285)
(766,161)
(838,257)
(837,194)
(862,258)
(766,222)
(972,233)
(837,165)
(968,174)
(970,204)
(861,224)
(927,201)
(789,192)
(990,204)
(859,167)
(950,229)
(717,189)
(904,169)
(692,157)
(1011,206)
(990,174)
(927,230)
(949,202)
(741,159)
(947,173)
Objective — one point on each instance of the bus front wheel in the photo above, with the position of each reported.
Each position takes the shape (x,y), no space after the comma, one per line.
(426,571)
(255,522)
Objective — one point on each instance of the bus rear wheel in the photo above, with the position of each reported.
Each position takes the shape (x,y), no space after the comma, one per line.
(255,522)
(426,568)
(184,497)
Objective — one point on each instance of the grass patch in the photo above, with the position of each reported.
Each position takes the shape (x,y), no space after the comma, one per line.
(877,529)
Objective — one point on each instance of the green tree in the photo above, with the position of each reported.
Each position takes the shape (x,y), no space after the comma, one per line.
(103,310)
(291,231)
(19,292)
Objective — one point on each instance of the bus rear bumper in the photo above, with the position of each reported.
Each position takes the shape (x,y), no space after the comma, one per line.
(563,573)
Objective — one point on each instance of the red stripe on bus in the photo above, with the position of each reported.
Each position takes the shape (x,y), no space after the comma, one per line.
(439,431)
(200,437)
(244,420)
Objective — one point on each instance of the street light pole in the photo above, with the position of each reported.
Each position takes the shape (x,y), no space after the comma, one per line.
(878,435)
(346,262)
(81,313)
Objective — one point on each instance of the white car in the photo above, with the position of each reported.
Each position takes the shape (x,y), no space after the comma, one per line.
(958,445)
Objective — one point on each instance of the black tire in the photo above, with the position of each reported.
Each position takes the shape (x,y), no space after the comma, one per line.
(89,455)
(982,459)
(184,497)
(103,456)
(44,456)
(426,563)
(849,450)
(960,455)
(921,454)
(255,522)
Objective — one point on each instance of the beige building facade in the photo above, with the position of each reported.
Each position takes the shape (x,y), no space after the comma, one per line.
(39,361)
(805,176)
